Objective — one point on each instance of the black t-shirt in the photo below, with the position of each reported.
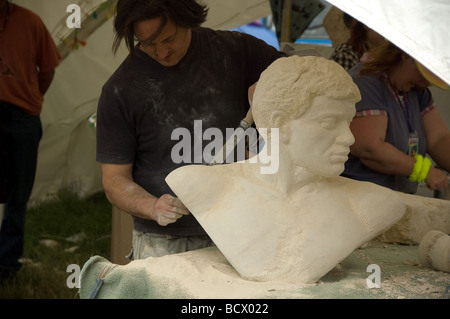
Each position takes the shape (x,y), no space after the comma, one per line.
(144,102)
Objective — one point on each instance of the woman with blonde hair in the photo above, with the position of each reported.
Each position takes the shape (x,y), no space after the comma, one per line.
(397,123)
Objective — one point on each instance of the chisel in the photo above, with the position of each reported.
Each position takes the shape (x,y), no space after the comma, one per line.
(231,143)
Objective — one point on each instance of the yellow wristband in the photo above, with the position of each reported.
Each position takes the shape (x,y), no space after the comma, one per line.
(417,167)
(425,169)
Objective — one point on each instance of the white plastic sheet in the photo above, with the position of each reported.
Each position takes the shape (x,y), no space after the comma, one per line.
(420,28)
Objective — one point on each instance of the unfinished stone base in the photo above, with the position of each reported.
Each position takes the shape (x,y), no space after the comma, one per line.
(434,251)
(423,214)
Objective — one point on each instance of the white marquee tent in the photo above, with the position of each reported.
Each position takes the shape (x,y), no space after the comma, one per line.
(67,150)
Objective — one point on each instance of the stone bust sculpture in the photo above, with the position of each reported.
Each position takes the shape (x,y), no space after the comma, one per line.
(298,222)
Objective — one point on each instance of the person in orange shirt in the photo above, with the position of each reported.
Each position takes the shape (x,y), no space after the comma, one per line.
(28,58)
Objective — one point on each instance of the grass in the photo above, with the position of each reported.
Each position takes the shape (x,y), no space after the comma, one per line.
(77,229)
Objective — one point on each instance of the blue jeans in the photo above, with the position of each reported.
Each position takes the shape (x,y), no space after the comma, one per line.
(24,132)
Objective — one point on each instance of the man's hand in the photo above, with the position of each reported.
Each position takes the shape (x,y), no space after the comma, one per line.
(168,209)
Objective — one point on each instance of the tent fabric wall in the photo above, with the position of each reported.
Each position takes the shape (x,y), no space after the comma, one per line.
(67,151)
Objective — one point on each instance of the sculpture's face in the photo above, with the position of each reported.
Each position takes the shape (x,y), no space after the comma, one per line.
(320,139)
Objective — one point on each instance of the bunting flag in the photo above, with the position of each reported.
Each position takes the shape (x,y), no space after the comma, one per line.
(71,39)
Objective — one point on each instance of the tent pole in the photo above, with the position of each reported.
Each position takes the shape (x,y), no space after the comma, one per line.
(286,21)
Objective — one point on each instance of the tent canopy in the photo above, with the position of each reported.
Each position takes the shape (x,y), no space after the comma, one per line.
(67,150)
(420,28)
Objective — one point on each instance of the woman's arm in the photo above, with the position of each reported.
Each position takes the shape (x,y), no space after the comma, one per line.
(373,151)
(438,147)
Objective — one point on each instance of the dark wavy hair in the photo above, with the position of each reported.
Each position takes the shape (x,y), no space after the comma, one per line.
(184,13)
(358,37)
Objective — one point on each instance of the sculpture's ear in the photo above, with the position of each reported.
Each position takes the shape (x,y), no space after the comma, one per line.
(279,120)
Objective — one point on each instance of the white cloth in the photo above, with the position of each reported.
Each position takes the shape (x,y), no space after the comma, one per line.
(420,28)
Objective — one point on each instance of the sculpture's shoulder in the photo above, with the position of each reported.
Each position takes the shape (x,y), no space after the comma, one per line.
(195,178)
(372,195)
(376,207)
(199,186)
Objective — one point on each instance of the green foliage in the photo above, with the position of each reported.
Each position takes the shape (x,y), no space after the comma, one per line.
(76,228)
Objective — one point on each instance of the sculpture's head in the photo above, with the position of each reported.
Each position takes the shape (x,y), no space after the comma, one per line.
(312,101)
